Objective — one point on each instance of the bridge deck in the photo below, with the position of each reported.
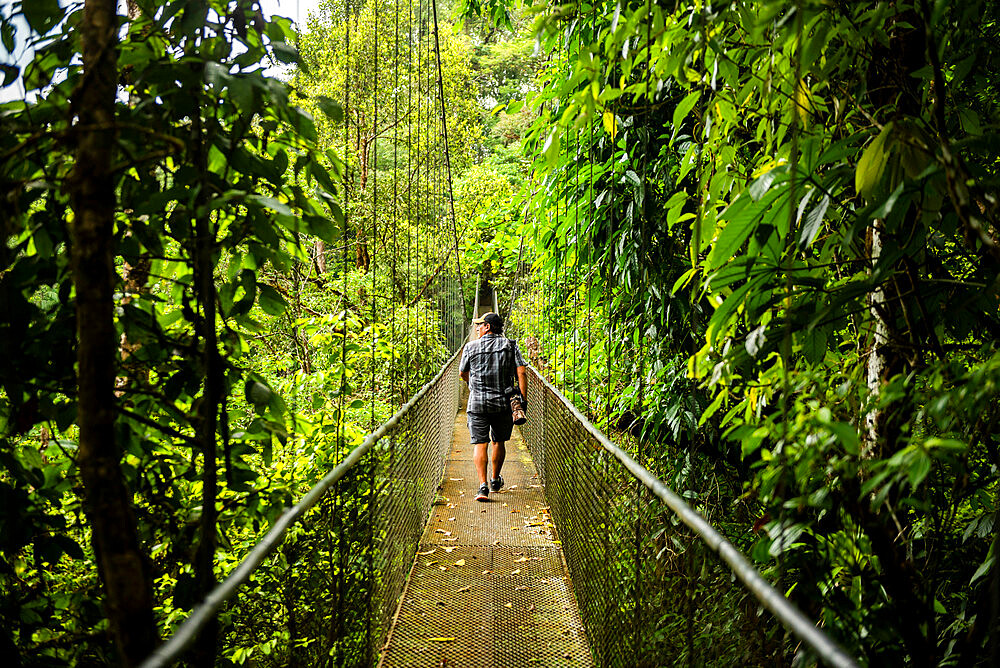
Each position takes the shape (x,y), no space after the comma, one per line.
(489,587)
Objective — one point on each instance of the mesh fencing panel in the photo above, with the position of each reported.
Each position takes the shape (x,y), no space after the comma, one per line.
(650,592)
(327,595)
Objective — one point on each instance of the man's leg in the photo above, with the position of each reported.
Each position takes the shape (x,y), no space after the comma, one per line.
(500,430)
(479,435)
(499,454)
(479,459)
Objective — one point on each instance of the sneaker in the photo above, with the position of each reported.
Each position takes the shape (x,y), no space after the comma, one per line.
(496,483)
(484,493)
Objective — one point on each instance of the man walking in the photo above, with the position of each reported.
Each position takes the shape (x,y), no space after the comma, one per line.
(489,365)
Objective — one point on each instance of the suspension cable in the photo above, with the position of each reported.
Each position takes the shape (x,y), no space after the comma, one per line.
(409,178)
(342,389)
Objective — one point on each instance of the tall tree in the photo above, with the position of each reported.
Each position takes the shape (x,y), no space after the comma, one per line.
(123,565)
(195,191)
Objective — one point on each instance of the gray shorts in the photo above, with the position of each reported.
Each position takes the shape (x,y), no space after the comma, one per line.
(485,427)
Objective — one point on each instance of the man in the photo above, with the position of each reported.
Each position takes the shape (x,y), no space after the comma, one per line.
(489,365)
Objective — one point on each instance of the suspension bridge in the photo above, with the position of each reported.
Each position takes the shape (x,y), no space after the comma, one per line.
(750,249)
(584,558)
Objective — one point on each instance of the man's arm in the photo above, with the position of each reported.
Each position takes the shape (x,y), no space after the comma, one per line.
(522,381)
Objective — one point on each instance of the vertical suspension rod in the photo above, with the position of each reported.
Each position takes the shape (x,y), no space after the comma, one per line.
(447,155)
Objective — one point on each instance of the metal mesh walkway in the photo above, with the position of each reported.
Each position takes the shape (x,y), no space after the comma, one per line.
(489,586)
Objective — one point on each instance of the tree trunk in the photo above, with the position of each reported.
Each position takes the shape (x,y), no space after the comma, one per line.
(135,278)
(893,87)
(319,252)
(877,362)
(121,563)
(362,259)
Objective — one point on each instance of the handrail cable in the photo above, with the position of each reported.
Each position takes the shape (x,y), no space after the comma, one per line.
(784,610)
(187,632)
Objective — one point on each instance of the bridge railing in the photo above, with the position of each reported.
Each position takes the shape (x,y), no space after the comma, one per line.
(656,583)
(324,594)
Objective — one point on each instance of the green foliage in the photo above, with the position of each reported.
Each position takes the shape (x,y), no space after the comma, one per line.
(764,232)
(221,170)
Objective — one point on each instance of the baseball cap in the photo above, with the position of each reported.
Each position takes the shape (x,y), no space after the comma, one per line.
(492,319)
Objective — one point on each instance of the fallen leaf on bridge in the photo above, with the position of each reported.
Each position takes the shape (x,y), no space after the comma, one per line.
(517,572)
(441,639)
(460,562)
(508,605)
(427,552)
(448,548)
(463,589)
(446,533)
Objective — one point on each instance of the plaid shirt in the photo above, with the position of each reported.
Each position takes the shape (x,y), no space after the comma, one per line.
(492,372)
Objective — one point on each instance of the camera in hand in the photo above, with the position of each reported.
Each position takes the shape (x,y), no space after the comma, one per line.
(517,410)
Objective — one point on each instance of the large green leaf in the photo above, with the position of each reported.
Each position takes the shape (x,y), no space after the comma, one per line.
(42,15)
(681,111)
(871,167)
(812,223)
(271,300)
(738,228)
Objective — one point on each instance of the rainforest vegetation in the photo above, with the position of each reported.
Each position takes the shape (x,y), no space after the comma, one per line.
(755,242)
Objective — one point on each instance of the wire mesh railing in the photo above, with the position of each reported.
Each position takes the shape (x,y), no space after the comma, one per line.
(656,584)
(324,594)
